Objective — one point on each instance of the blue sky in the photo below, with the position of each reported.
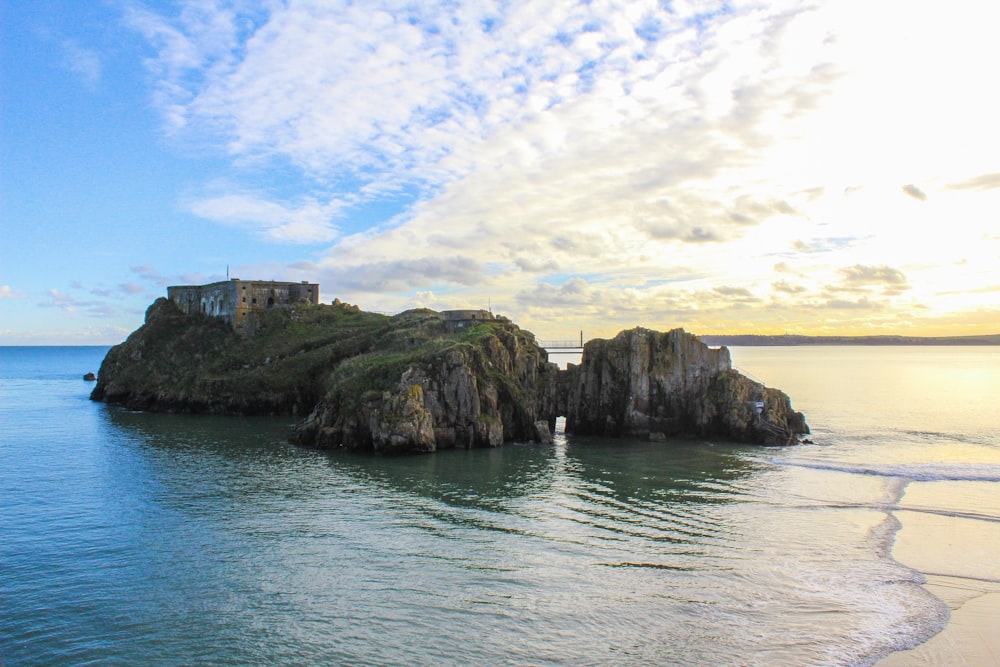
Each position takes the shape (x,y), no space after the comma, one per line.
(820,167)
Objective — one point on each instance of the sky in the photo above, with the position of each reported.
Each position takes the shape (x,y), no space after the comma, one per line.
(808,167)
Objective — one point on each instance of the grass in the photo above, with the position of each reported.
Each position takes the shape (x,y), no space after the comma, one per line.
(297,356)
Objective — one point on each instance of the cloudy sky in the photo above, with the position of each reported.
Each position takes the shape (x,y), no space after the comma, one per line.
(827,166)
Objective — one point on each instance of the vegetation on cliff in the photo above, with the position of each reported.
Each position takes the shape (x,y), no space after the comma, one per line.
(356,374)
(184,363)
(415,382)
(424,388)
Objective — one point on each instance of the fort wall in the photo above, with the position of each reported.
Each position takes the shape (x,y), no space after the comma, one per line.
(236,301)
(457,319)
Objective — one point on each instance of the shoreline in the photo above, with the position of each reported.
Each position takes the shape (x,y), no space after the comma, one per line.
(956,554)
(795,340)
(970,638)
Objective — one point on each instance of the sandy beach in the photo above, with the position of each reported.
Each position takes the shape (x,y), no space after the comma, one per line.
(956,552)
(971,637)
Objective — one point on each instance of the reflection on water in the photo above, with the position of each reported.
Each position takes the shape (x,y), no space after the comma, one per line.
(177,539)
(585,551)
(481,478)
(886,392)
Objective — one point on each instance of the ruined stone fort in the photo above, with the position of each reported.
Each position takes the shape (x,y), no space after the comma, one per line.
(236,301)
(458,319)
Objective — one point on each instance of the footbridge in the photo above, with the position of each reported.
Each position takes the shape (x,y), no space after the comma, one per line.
(565,346)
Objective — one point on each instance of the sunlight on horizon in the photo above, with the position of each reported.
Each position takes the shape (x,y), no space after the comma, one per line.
(820,168)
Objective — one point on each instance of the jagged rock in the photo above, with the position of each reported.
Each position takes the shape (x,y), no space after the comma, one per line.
(543,434)
(409,383)
(90,377)
(177,362)
(655,385)
(477,394)
(401,423)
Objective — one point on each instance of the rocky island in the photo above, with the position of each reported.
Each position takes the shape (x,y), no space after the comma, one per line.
(422,380)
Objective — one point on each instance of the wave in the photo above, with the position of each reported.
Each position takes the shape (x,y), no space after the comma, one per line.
(938,436)
(918,472)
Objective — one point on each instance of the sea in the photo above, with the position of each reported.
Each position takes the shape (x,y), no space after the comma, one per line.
(129,538)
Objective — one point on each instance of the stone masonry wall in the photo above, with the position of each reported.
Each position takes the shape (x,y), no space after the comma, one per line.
(236,300)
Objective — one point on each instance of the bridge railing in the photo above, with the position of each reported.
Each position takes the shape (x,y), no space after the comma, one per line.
(560,344)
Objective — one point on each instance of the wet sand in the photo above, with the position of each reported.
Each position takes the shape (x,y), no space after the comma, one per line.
(956,550)
(972,636)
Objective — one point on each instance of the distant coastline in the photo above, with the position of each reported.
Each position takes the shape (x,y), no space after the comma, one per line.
(794,339)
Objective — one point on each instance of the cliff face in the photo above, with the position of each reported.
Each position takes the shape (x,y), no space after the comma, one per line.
(650,384)
(191,363)
(415,383)
(488,387)
(407,383)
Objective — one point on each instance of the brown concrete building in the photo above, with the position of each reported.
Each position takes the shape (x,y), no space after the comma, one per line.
(237,300)
(458,319)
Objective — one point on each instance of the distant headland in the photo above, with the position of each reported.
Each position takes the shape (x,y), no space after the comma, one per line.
(423,380)
(794,339)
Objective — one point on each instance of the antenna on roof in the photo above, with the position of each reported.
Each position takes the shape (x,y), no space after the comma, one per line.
(227,272)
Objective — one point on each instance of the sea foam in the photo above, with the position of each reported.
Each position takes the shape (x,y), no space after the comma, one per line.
(921,472)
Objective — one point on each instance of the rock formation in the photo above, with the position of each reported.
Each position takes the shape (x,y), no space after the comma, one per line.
(645,383)
(192,363)
(489,386)
(416,383)
(409,382)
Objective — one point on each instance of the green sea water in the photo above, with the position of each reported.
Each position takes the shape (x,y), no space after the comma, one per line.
(131,538)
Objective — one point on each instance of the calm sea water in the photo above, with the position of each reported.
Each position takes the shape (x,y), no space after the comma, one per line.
(129,538)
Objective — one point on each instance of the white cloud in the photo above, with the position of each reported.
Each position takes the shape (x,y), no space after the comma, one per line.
(83,61)
(308,222)
(101,308)
(192,47)
(387,92)
(611,143)
(7,292)
(149,273)
(60,300)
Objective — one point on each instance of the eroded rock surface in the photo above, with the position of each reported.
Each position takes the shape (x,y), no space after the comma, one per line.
(476,394)
(416,383)
(645,383)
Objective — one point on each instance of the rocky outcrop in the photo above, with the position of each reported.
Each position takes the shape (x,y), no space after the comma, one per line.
(480,393)
(191,363)
(407,383)
(416,383)
(402,423)
(543,434)
(649,384)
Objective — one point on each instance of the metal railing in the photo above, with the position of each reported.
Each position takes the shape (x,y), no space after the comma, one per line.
(561,344)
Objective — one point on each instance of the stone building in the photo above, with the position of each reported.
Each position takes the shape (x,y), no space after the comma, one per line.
(457,319)
(237,300)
